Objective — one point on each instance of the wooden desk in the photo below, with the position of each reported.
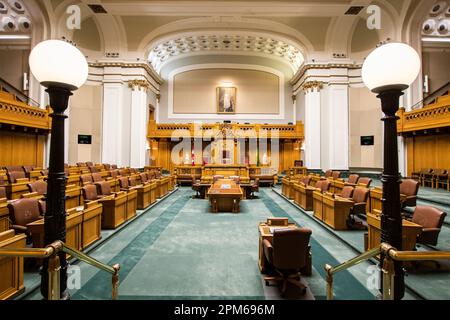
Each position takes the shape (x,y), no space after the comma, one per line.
(306,197)
(74,220)
(114,210)
(144,195)
(410,232)
(92,223)
(153,191)
(336,211)
(15,190)
(266,234)
(225,200)
(376,196)
(4,215)
(73,196)
(318,204)
(336,185)
(11,268)
(132,196)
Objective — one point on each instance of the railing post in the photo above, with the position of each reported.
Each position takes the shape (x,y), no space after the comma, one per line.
(328,269)
(54,269)
(115,282)
(388,278)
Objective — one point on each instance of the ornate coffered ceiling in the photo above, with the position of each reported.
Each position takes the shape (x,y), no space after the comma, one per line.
(225,43)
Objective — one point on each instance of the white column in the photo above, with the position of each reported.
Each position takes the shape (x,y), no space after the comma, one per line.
(111,123)
(138,126)
(338,130)
(312,125)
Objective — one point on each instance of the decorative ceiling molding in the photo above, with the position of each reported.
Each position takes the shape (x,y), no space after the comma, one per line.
(14,18)
(139,84)
(144,66)
(225,43)
(312,86)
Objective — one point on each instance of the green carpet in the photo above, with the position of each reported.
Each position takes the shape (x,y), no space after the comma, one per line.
(179,250)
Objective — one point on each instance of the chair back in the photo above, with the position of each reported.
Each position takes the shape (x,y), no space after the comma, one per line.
(10,169)
(409,187)
(306,180)
(364,182)
(290,248)
(360,195)
(353,178)
(107,166)
(151,175)
(114,173)
(89,164)
(86,178)
(14,175)
(428,217)
(93,169)
(328,173)
(90,192)
(24,211)
(325,185)
(123,172)
(97,177)
(347,192)
(318,184)
(28,169)
(104,188)
(336,174)
(40,187)
(123,182)
(2,192)
(132,181)
(144,177)
(114,166)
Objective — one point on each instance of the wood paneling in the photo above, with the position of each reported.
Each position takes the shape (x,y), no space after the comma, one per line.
(431,151)
(21,149)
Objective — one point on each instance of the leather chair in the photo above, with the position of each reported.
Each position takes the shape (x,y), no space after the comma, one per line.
(96,177)
(89,164)
(409,188)
(347,192)
(39,187)
(90,193)
(306,180)
(81,164)
(254,188)
(328,173)
(428,178)
(114,166)
(364,182)
(86,179)
(13,176)
(132,182)
(352,180)
(124,184)
(93,169)
(27,170)
(196,186)
(123,172)
(324,185)
(217,177)
(107,166)
(144,178)
(22,212)
(419,174)
(359,198)
(431,220)
(114,173)
(336,174)
(104,188)
(10,169)
(288,254)
(44,172)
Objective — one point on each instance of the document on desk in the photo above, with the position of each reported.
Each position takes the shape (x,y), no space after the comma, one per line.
(225,186)
(272,229)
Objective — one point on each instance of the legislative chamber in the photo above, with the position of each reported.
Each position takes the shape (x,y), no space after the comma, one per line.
(231,150)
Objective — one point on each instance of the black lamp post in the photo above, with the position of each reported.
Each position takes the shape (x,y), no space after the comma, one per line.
(61,68)
(387,71)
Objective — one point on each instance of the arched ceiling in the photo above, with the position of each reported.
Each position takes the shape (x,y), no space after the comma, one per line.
(225,43)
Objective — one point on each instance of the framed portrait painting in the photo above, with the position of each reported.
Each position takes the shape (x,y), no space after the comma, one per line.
(226,100)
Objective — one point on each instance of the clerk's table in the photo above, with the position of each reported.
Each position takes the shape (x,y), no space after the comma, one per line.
(225,196)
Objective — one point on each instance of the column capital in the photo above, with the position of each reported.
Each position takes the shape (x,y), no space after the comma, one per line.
(310,86)
(139,84)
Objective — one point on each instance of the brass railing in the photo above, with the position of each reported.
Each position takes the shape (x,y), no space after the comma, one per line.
(391,254)
(54,266)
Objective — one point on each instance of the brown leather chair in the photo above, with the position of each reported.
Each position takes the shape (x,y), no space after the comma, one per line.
(336,174)
(104,188)
(428,178)
(306,180)
(431,220)
(114,173)
(364,182)
(27,170)
(144,178)
(324,185)
(196,186)
(10,169)
(89,164)
(123,172)
(96,177)
(86,179)
(107,166)
(39,187)
(254,188)
(440,178)
(421,173)
(409,188)
(217,177)
(347,192)
(123,183)
(93,169)
(132,182)
(90,193)
(360,197)
(81,164)
(114,166)
(44,172)
(13,176)
(353,179)
(22,212)
(328,173)
(288,254)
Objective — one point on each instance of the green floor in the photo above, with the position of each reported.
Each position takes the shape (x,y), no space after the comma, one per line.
(179,250)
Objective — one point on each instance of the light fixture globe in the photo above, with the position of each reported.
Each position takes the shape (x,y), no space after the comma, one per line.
(56,63)
(391,66)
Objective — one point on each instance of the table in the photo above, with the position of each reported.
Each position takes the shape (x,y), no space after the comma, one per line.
(225,196)
(266,234)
